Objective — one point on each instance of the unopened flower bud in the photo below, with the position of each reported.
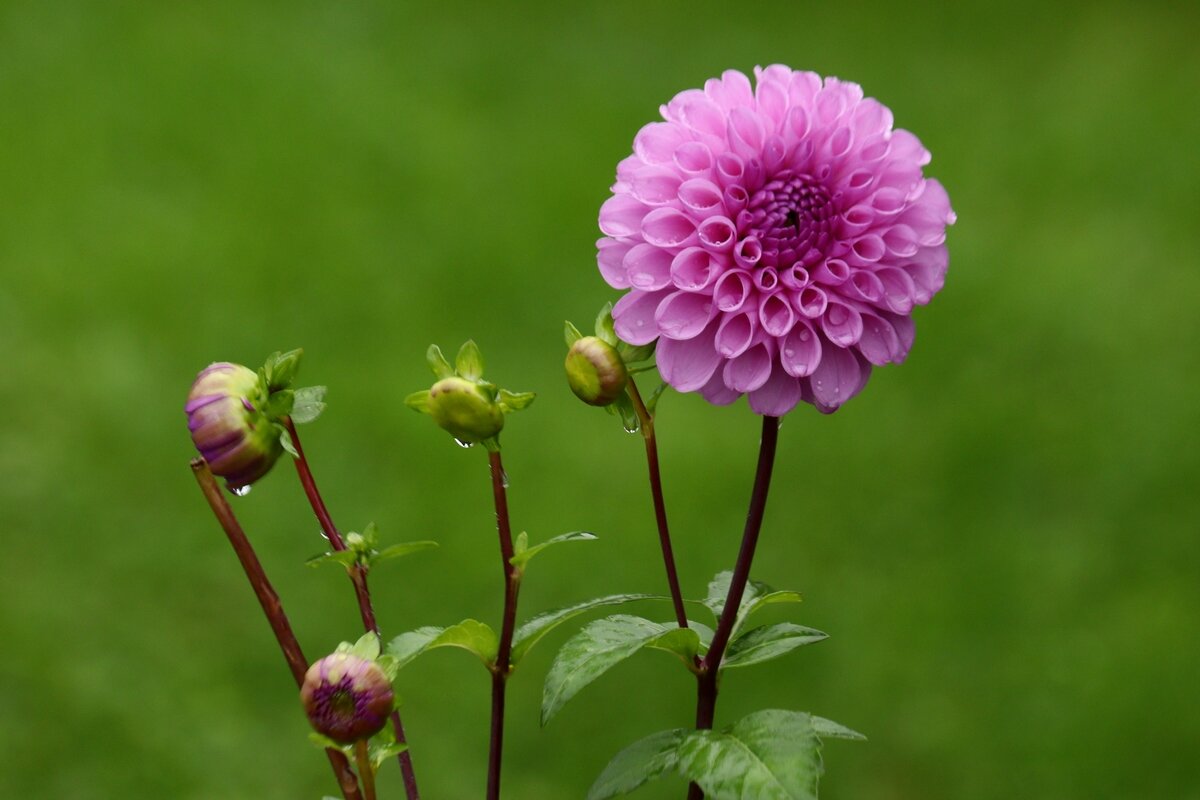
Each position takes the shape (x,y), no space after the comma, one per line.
(464,409)
(347,698)
(595,371)
(229,426)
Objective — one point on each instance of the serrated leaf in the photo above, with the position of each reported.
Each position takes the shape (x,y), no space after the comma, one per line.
(515,401)
(599,647)
(469,361)
(522,556)
(570,333)
(418,401)
(347,558)
(285,441)
(645,760)
(437,362)
(768,755)
(403,549)
(308,404)
(470,635)
(531,632)
(604,326)
(828,729)
(767,642)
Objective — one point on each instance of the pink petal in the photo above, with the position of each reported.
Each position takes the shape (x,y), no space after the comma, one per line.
(842,324)
(683,315)
(633,316)
(610,254)
(693,158)
(717,234)
(735,334)
(657,142)
(717,393)
(654,186)
(648,267)
(750,370)
(879,343)
(777,396)
(687,364)
(694,269)
(668,227)
(621,216)
(700,195)
(899,290)
(801,351)
(732,290)
(776,315)
(836,378)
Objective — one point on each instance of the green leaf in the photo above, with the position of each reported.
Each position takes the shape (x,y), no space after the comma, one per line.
(470,635)
(308,405)
(531,632)
(367,647)
(383,752)
(280,403)
(403,549)
(285,441)
(604,326)
(600,646)
(438,363)
(757,595)
(632,354)
(469,362)
(571,333)
(655,395)
(347,558)
(768,642)
(281,369)
(828,729)
(324,742)
(645,760)
(623,407)
(768,755)
(418,401)
(522,556)
(515,401)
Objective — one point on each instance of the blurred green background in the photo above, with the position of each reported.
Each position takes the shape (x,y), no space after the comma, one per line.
(1001,535)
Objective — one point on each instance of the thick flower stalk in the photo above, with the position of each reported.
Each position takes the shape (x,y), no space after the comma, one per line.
(774,238)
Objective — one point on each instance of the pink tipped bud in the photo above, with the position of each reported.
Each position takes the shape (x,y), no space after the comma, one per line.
(346,698)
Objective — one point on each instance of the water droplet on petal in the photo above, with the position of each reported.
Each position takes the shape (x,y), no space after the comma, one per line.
(240,491)
(461,443)
(789,352)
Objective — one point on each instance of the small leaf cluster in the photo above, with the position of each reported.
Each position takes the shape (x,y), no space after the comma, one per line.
(303,405)
(603,644)
(462,402)
(362,550)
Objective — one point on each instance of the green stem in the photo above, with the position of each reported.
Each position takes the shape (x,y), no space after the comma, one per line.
(366,770)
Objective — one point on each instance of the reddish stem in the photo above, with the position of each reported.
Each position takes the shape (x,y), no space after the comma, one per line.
(358,577)
(706,689)
(660,506)
(512,585)
(271,606)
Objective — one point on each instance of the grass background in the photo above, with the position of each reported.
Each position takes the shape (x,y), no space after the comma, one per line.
(1001,535)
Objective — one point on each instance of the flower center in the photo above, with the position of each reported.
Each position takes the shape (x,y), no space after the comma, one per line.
(792,217)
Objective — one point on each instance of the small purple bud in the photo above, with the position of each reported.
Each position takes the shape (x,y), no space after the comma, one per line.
(595,371)
(346,698)
(464,409)
(225,410)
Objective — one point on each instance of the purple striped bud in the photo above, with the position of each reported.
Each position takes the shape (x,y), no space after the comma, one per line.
(347,698)
(227,418)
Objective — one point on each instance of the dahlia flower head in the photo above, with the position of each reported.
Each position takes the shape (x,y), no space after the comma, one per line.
(774,238)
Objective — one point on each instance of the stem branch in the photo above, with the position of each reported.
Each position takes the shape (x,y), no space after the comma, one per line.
(271,606)
(358,577)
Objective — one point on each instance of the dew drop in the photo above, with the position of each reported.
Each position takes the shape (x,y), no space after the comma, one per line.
(632,427)
(461,443)
(640,323)
(789,352)
(504,478)
(240,491)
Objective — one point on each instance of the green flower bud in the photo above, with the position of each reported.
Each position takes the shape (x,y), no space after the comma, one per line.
(347,698)
(595,371)
(465,410)
(227,418)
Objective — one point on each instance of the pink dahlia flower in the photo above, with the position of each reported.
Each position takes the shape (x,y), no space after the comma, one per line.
(774,239)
